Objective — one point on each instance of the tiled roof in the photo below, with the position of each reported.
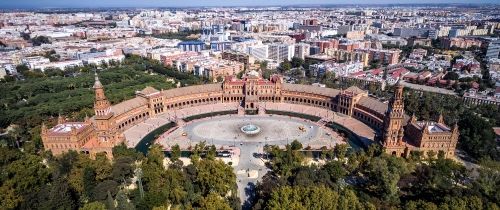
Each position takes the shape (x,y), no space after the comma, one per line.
(355,90)
(311,89)
(373,104)
(149,90)
(128,105)
(217,87)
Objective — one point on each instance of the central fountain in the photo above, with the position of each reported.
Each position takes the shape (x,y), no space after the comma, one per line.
(250,129)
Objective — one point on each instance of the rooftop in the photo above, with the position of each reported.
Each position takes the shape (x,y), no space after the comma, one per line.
(65,128)
(433,127)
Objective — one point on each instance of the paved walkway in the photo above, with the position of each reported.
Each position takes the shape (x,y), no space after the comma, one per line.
(224,131)
(363,131)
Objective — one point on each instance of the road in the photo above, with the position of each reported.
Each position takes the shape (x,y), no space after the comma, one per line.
(246,184)
(428,88)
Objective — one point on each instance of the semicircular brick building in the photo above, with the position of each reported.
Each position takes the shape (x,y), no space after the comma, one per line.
(399,134)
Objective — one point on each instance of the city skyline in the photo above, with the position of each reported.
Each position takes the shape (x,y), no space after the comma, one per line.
(30,4)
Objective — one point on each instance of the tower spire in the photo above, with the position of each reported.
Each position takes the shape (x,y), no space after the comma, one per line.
(394,117)
(102,106)
(440,118)
(60,119)
(97,83)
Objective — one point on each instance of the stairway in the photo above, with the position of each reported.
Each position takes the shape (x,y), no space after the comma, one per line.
(241,111)
(262,110)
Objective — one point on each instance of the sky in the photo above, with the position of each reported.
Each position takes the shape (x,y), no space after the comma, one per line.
(196,3)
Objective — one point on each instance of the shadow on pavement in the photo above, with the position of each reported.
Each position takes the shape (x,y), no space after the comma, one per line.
(250,194)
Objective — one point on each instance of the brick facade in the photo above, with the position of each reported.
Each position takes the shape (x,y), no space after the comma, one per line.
(105,129)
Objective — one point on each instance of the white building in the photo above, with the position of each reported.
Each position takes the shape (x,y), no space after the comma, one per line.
(302,49)
(260,52)
(339,69)
(280,52)
(493,50)
(33,62)
(60,65)
(245,45)
(104,59)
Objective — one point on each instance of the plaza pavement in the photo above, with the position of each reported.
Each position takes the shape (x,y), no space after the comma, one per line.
(134,134)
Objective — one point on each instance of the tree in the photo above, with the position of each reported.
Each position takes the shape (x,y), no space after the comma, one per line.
(340,151)
(212,152)
(59,197)
(22,68)
(213,201)
(420,204)
(263,65)
(329,79)
(94,206)
(102,167)
(336,170)
(23,175)
(488,181)
(283,162)
(285,65)
(477,137)
(451,76)
(122,150)
(102,191)
(214,176)
(384,174)
(219,78)
(8,78)
(110,202)
(39,40)
(313,197)
(52,56)
(175,153)
(372,88)
(296,145)
(349,200)
(375,64)
(297,62)
(122,202)
(122,169)
(431,154)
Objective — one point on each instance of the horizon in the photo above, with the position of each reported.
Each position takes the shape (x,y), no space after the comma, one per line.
(61,4)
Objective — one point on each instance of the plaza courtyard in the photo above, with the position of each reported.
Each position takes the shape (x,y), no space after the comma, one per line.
(272,129)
